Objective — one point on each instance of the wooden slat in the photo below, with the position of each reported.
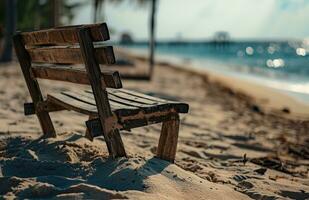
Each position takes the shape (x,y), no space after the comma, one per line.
(146,103)
(64,35)
(121,107)
(88,98)
(135,121)
(149,100)
(31,109)
(128,117)
(72,104)
(145,107)
(141,95)
(67,73)
(82,104)
(137,96)
(132,98)
(138,120)
(69,55)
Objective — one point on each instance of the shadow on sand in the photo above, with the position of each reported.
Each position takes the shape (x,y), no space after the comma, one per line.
(45,161)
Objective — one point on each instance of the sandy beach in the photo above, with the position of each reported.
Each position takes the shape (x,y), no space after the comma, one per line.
(239,140)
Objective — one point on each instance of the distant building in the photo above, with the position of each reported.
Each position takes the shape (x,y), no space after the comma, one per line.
(221,40)
(222,36)
(126,38)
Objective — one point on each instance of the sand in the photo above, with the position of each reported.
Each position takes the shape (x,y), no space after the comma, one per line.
(232,145)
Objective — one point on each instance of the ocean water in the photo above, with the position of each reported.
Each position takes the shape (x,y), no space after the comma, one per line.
(283,65)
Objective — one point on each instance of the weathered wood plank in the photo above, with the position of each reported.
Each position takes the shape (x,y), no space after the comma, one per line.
(133,117)
(135,121)
(131,122)
(72,104)
(31,109)
(117,108)
(86,104)
(155,104)
(168,139)
(120,107)
(111,134)
(141,95)
(126,97)
(33,86)
(65,35)
(70,55)
(69,74)
(137,96)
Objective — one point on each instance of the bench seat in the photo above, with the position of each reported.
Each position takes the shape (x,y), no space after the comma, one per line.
(133,109)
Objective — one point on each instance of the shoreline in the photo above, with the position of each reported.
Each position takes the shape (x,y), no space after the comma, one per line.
(270,99)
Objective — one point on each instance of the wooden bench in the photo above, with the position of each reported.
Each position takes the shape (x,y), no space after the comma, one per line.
(110,108)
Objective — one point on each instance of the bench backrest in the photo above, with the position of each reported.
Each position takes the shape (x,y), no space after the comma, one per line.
(68,45)
(61,46)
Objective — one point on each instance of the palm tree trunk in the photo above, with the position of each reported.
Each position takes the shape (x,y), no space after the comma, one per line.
(10,23)
(97,6)
(55,13)
(152,36)
(95,12)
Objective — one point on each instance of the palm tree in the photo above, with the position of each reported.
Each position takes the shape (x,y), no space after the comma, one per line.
(97,5)
(152,36)
(30,14)
(55,13)
(60,9)
(10,24)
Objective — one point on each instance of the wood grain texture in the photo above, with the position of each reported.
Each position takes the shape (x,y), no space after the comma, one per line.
(119,106)
(72,104)
(178,106)
(70,74)
(64,35)
(33,86)
(45,106)
(168,139)
(111,134)
(128,116)
(70,55)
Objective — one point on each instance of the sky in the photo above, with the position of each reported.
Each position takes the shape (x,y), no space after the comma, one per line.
(200,19)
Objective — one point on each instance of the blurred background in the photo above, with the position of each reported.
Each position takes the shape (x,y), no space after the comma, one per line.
(265,41)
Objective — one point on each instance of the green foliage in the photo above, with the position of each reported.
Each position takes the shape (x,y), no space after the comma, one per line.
(35,14)
(31,13)
(2,4)
(2,13)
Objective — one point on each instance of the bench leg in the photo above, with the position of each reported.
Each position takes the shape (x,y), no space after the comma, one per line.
(168,139)
(115,145)
(113,140)
(46,125)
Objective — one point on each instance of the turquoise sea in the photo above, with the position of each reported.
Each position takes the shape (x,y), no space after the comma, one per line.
(283,65)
